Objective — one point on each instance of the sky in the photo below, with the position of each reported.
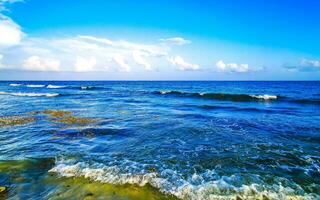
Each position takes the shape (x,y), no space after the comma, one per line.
(159,40)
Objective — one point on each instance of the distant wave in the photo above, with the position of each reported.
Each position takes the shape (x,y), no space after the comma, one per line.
(237,97)
(30,94)
(15,85)
(55,86)
(89,88)
(36,86)
(171,182)
(221,96)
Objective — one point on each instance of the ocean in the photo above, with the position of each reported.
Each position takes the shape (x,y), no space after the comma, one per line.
(190,140)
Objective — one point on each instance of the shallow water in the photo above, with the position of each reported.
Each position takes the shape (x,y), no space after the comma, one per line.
(161,140)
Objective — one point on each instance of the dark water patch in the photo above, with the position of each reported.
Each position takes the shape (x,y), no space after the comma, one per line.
(307,101)
(90,132)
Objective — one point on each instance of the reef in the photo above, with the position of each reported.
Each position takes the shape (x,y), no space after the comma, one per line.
(15,120)
(67,117)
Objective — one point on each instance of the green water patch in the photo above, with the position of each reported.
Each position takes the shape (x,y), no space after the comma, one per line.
(21,178)
(81,188)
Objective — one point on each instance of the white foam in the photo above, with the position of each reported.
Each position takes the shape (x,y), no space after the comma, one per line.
(176,185)
(30,94)
(165,92)
(265,96)
(15,84)
(36,86)
(55,86)
(85,87)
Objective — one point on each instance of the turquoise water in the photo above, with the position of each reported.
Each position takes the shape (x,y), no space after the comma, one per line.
(186,140)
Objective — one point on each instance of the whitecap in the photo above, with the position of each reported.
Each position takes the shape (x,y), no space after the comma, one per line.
(30,94)
(265,97)
(36,86)
(15,85)
(55,86)
(165,92)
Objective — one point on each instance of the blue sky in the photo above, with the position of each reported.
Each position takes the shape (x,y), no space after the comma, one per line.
(160,40)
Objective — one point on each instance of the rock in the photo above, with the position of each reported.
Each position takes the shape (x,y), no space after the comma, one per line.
(3,190)
(238,198)
(264,197)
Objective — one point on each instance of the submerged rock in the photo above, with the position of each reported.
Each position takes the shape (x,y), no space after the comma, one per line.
(67,117)
(15,120)
(57,113)
(3,190)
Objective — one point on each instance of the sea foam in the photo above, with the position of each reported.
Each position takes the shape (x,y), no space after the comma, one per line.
(265,96)
(30,94)
(55,86)
(15,85)
(221,188)
(36,86)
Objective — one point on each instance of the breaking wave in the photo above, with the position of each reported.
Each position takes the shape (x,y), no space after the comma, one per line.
(36,86)
(170,182)
(30,94)
(55,86)
(221,96)
(15,85)
(237,97)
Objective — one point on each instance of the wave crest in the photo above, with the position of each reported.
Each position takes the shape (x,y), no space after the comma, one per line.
(14,84)
(36,86)
(221,96)
(30,94)
(55,86)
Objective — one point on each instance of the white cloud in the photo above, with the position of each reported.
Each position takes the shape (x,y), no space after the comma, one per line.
(85,64)
(231,67)
(119,55)
(82,53)
(175,41)
(183,65)
(119,59)
(35,63)
(151,50)
(304,65)
(310,63)
(138,57)
(10,32)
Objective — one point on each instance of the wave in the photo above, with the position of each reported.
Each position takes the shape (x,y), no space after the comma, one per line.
(55,86)
(15,85)
(36,86)
(87,87)
(91,88)
(30,94)
(170,182)
(221,96)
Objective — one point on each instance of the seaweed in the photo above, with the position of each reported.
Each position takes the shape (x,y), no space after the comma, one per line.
(15,120)
(67,117)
